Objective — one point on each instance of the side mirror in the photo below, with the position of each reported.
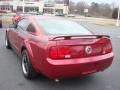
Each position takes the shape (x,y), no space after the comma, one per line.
(13,26)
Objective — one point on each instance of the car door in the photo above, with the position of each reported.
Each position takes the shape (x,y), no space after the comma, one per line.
(21,36)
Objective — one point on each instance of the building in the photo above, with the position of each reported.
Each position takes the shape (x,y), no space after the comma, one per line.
(33,6)
(55,8)
(19,5)
(6,5)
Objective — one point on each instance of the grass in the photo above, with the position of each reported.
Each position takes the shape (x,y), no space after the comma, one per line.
(7,20)
(104,23)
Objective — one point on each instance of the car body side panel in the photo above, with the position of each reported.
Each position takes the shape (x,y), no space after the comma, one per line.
(39,48)
(36,48)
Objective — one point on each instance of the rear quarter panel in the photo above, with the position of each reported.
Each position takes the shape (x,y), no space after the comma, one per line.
(37,49)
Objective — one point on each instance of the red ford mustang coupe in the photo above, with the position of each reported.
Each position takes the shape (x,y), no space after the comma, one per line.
(58,48)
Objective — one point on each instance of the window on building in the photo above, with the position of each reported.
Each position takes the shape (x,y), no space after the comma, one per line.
(19,9)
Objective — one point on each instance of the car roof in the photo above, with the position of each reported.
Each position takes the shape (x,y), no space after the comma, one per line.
(43,17)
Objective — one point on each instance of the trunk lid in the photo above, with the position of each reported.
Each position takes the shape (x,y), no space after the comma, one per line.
(82,46)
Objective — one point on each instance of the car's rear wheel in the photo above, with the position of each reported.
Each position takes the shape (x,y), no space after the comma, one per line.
(0,23)
(7,43)
(27,68)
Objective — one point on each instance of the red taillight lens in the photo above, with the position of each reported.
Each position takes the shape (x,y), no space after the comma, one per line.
(53,52)
(60,52)
(107,48)
(67,52)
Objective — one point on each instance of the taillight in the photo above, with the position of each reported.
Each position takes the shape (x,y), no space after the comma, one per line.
(107,48)
(60,52)
(53,52)
(67,52)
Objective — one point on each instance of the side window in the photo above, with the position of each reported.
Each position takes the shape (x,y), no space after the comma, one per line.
(23,24)
(30,28)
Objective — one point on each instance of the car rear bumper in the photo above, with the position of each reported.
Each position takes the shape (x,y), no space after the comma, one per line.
(58,69)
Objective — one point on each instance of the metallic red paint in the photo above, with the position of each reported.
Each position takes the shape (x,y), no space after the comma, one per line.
(38,46)
(77,67)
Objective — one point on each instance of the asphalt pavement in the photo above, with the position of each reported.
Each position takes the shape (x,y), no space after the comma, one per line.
(11,77)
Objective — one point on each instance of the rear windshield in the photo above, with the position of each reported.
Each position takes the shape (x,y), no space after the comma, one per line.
(62,27)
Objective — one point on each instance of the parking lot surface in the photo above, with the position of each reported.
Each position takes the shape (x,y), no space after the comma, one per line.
(11,77)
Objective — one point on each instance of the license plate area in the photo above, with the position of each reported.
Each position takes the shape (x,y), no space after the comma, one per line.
(89,68)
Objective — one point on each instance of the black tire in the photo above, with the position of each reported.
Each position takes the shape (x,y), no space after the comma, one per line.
(7,43)
(27,69)
(0,24)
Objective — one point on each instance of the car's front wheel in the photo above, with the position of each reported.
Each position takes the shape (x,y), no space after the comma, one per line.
(0,23)
(7,43)
(27,68)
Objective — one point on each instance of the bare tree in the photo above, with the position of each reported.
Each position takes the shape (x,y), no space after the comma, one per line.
(100,10)
(94,9)
(71,7)
(105,10)
(80,6)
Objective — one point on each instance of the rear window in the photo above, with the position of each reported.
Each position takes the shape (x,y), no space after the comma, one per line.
(62,27)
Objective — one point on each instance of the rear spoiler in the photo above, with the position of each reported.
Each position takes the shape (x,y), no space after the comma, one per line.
(79,36)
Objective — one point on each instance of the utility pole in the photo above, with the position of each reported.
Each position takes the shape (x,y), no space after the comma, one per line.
(66,3)
(68,6)
(118,18)
(54,8)
(23,6)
